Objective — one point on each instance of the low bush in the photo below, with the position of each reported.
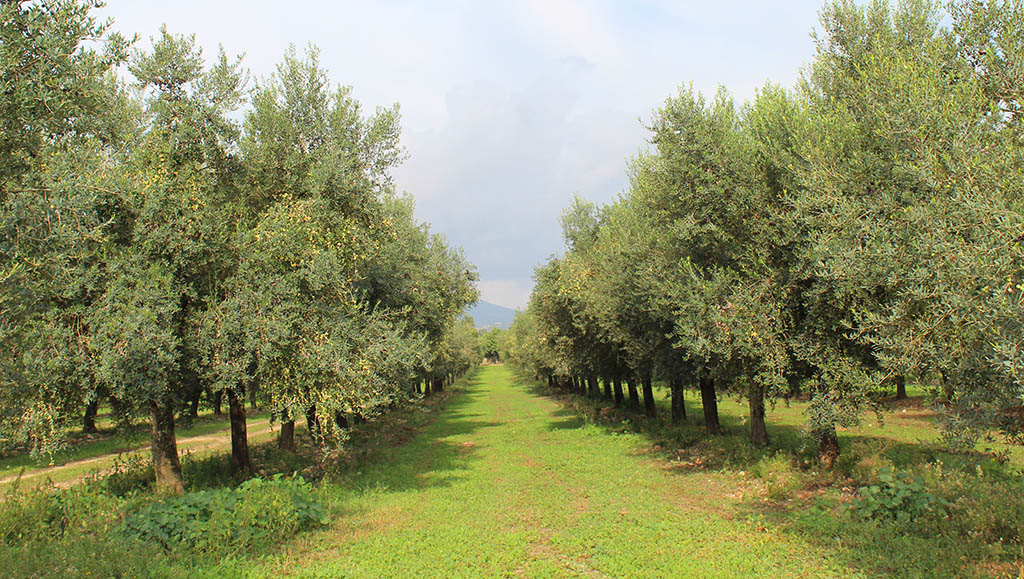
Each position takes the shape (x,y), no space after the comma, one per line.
(257,512)
(899,496)
(983,505)
(47,513)
(779,475)
(977,509)
(129,473)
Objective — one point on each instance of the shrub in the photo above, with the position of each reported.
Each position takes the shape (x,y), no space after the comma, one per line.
(779,475)
(899,496)
(984,505)
(48,513)
(224,520)
(129,473)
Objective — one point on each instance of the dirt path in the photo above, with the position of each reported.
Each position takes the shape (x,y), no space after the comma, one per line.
(75,471)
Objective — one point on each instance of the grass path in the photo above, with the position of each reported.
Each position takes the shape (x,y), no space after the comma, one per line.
(506,484)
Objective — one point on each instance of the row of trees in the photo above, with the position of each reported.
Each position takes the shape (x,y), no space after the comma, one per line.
(828,242)
(180,236)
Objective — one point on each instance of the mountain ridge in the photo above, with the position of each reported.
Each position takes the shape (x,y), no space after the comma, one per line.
(487,315)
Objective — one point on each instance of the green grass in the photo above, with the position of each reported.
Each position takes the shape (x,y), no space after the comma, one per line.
(507,483)
(904,432)
(982,486)
(498,479)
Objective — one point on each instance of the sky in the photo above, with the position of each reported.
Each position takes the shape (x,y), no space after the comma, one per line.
(508,108)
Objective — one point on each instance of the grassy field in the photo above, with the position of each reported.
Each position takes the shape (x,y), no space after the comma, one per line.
(507,483)
(499,478)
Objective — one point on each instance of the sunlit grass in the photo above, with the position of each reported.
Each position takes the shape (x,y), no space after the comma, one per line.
(506,483)
(497,478)
(905,430)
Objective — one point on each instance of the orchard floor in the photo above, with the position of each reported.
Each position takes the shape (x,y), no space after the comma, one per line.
(505,483)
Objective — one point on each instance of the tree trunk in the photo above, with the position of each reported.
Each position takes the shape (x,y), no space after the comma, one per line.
(438,385)
(312,422)
(286,438)
(607,389)
(341,420)
(164,447)
(218,398)
(678,401)
(901,387)
(593,387)
(709,400)
(426,387)
(89,420)
(239,440)
(193,408)
(194,391)
(828,447)
(634,398)
(758,430)
(617,391)
(551,381)
(650,409)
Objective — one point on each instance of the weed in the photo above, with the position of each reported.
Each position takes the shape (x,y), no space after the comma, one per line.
(215,522)
(128,473)
(779,475)
(898,496)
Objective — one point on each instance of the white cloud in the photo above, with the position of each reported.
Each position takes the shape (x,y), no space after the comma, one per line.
(576,28)
(508,108)
(511,293)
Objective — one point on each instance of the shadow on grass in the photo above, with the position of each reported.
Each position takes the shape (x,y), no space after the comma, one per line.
(578,410)
(424,456)
(816,511)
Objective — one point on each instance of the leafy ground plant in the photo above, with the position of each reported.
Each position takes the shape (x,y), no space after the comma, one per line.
(213,522)
(898,496)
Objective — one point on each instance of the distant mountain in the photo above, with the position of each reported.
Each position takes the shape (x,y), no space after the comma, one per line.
(488,315)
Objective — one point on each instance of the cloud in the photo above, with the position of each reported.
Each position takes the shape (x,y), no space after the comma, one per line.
(497,175)
(511,293)
(508,108)
(575,27)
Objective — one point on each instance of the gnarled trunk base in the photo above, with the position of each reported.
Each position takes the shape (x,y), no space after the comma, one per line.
(89,420)
(286,438)
(828,448)
(617,391)
(678,402)
(164,446)
(650,409)
(239,439)
(758,430)
(709,400)
(634,397)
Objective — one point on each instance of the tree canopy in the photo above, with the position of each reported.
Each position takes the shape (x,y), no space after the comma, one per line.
(156,250)
(829,241)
